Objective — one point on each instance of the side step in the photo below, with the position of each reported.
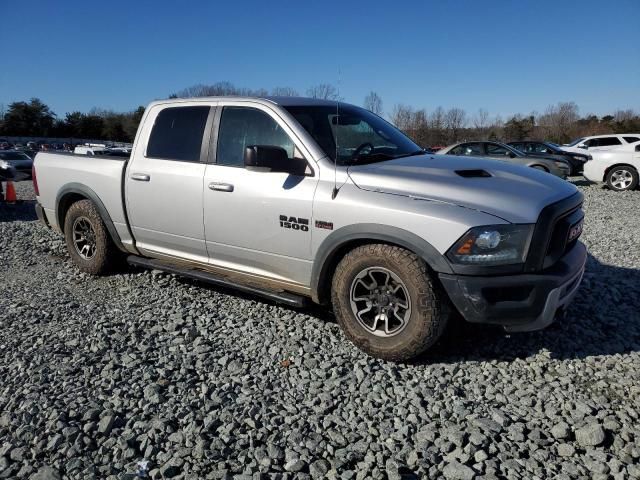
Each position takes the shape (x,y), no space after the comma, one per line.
(287,298)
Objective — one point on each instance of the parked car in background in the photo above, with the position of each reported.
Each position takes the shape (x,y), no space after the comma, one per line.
(505,153)
(618,168)
(599,143)
(87,150)
(20,161)
(7,172)
(535,148)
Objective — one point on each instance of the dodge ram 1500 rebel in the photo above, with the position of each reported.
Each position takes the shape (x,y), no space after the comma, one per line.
(298,199)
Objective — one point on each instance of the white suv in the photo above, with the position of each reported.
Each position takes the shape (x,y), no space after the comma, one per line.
(600,142)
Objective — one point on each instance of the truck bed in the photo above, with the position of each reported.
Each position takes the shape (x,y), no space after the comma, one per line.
(60,173)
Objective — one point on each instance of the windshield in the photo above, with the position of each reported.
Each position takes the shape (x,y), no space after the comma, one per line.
(575,142)
(362,137)
(13,156)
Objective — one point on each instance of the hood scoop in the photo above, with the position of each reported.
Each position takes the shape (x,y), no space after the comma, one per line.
(475,173)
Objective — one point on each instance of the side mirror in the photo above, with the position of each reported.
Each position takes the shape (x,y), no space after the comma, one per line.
(511,155)
(584,147)
(269,158)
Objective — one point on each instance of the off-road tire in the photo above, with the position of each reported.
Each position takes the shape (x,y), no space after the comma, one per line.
(631,171)
(429,305)
(106,255)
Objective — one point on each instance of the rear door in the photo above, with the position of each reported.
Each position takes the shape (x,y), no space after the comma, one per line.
(164,181)
(258,222)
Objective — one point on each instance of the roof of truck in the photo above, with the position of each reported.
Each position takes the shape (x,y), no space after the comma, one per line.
(283,101)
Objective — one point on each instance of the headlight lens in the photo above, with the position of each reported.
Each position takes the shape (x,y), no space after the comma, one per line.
(492,245)
(579,158)
(561,165)
(4,164)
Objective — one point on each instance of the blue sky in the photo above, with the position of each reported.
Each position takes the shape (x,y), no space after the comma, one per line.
(507,56)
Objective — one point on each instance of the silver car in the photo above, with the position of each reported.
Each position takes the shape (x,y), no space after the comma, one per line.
(505,153)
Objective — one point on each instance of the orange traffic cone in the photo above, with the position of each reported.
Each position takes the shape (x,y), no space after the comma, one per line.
(10,194)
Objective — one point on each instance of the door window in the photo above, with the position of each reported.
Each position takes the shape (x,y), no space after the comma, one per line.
(494,150)
(177,133)
(631,139)
(603,142)
(241,127)
(467,149)
(540,148)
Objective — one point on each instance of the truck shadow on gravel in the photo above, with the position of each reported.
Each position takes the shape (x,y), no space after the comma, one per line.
(22,211)
(603,319)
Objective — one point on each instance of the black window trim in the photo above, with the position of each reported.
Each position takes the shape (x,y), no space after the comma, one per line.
(215,132)
(204,145)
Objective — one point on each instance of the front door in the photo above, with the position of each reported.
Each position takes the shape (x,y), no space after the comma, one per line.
(164,183)
(258,222)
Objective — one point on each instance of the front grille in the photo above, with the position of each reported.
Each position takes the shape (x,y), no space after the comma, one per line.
(549,240)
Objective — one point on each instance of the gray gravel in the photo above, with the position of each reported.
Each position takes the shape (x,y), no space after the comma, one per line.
(99,374)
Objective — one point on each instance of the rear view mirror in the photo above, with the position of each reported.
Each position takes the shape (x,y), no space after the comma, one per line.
(269,158)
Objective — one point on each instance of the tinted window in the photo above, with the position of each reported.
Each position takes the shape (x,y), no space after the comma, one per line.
(241,127)
(177,133)
(13,156)
(607,142)
(494,150)
(520,146)
(631,139)
(540,148)
(467,149)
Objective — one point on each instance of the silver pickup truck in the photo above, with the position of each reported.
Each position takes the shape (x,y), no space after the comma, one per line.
(297,199)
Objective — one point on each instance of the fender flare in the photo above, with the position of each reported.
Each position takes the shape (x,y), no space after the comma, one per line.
(326,254)
(83,190)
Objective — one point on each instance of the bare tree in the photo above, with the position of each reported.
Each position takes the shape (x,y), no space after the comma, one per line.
(373,103)
(481,122)
(284,92)
(559,121)
(323,91)
(401,116)
(455,119)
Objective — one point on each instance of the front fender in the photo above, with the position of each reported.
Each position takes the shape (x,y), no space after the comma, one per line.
(334,245)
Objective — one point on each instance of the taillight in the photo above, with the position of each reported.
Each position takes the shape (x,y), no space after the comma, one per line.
(35,180)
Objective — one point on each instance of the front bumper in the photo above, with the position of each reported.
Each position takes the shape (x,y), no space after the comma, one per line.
(521,302)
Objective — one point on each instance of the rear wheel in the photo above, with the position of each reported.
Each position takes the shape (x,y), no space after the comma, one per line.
(622,178)
(386,302)
(88,242)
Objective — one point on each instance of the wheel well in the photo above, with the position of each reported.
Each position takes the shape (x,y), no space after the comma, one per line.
(606,172)
(330,264)
(65,203)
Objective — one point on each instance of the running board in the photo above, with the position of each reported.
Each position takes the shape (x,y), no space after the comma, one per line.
(287,298)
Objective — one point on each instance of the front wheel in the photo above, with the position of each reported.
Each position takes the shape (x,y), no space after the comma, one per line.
(622,178)
(386,303)
(88,242)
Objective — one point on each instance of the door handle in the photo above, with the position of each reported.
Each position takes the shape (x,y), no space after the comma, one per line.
(141,177)
(221,187)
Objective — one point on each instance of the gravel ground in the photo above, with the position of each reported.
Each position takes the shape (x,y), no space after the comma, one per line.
(99,374)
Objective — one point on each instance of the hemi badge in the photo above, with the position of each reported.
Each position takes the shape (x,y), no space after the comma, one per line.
(323,224)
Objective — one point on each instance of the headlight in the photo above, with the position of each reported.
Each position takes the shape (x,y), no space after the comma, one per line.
(4,164)
(492,245)
(579,158)
(561,165)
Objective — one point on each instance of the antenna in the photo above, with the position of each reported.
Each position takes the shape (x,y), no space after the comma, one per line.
(334,193)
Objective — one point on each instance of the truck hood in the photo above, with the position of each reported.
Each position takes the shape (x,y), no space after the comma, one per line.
(513,193)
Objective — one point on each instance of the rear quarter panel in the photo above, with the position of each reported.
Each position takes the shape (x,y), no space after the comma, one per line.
(57,172)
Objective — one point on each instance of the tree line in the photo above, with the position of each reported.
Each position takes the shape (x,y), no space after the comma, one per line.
(559,123)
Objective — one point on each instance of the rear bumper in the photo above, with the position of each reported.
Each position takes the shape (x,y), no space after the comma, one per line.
(41,215)
(521,302)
